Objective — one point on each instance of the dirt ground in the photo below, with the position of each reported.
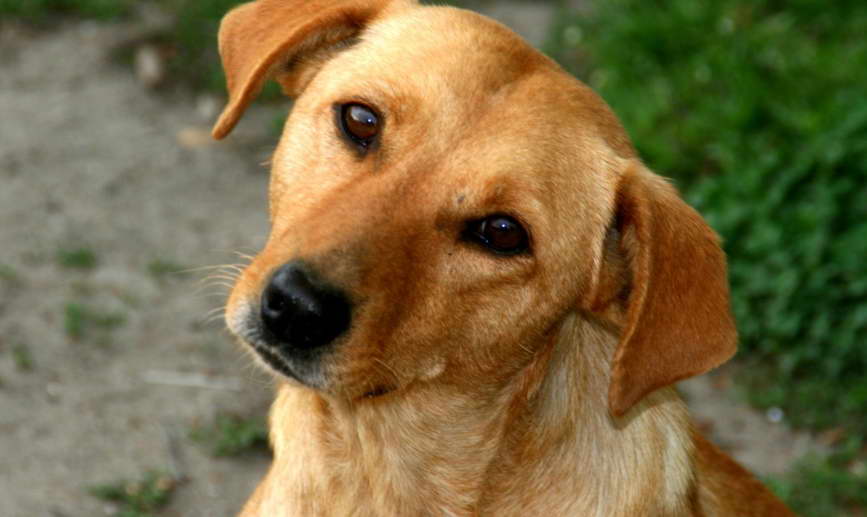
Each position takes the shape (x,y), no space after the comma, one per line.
(90,159)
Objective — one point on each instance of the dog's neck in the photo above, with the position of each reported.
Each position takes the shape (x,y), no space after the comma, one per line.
(440,450)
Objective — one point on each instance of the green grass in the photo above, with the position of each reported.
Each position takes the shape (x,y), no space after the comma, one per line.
(80,319)
(9,276)
(22,357)
(8,273)
(231,435)
(141,498)
(77,258)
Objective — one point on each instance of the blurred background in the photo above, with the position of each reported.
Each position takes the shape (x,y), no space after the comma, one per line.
(120,392)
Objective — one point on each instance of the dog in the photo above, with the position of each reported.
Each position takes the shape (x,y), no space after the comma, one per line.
(474,295)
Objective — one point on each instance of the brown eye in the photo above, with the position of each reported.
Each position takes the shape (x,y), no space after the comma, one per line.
(359,123)
(499,233)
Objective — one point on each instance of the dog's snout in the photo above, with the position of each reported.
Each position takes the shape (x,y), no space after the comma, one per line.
(300,312)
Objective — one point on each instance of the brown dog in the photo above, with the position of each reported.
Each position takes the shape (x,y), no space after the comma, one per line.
(476,296)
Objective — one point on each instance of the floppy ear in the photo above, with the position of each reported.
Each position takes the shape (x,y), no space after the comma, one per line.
(677,322)
(270,38)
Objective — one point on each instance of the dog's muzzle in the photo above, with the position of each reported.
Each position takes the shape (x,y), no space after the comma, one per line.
(300,314)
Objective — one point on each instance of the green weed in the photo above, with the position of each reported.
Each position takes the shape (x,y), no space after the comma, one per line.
(231,435)
(77,258)
(22,357)
(79,319)
(8,273)
(138,498)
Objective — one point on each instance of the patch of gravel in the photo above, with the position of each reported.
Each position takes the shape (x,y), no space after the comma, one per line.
(88,159)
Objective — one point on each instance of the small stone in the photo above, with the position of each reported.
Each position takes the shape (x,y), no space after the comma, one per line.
(775,415)
(149,65)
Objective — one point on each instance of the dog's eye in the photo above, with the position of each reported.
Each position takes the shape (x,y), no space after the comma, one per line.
(499,233)
(359,123)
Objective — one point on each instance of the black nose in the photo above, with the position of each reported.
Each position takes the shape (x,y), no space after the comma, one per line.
(300,311)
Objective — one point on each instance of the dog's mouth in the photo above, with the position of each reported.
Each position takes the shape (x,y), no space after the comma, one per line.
(273,360)
(308,376)
(378,392)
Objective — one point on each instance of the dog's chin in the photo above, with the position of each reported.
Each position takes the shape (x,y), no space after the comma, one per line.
(308,372)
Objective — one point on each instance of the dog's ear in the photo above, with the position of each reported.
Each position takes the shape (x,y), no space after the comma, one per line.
(279,39)
(665,263)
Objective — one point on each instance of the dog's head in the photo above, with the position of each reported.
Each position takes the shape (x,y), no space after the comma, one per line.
(442,198)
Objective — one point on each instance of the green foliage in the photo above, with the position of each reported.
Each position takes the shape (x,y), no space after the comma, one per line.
(37,9)
(757,109)
(138,498)
(78,258)
(8,275)
(833,486)
(22,357)
(232,435)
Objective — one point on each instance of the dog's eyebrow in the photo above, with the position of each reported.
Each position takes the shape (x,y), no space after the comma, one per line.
(306,56)
(347,43)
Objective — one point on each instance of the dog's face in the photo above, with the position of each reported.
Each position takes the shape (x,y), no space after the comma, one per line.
(441,198)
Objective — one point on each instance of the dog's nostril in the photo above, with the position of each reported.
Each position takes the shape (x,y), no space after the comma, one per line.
(301,313)
(273,304)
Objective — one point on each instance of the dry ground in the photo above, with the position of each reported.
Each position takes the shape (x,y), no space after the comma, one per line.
(89,159)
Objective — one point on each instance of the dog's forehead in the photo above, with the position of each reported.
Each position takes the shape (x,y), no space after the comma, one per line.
(452,55)
(452,41)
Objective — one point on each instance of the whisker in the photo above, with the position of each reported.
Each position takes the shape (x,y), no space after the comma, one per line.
(248,258)
(216,312)
(212,318)
(208,268)
(219,276)
(217,282)
(221,294)
(222,276)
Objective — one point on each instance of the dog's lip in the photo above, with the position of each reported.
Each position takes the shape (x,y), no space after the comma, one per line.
(268,355)
(274,360)
(378,392)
